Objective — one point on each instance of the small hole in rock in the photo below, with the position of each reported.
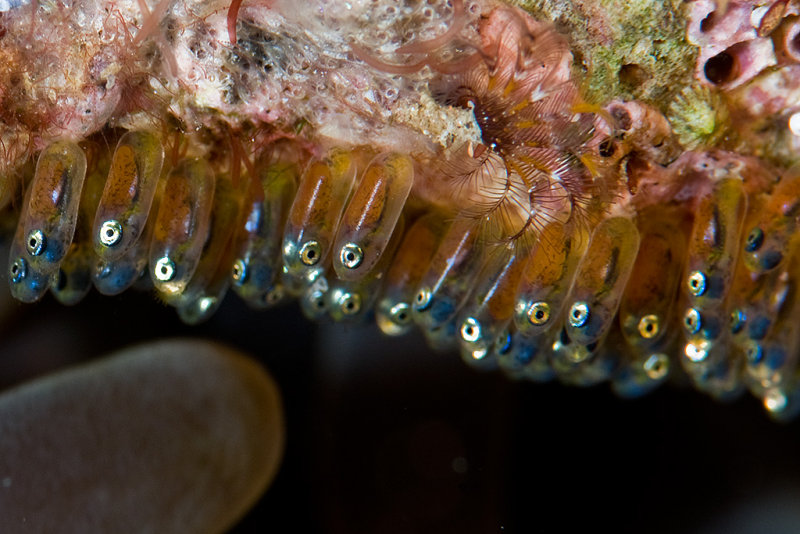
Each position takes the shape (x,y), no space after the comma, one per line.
(632,75)
(707,23)
(720,68)
(794,44)
(607,148)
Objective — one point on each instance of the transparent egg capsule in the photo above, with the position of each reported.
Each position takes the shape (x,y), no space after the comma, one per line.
(27,284)
(313,301)
(510,361)
(711,259)
(257,265)
(448,280)
(600,280)
(202,306)
(347,303)
(353,301)
(128,194)
(714,366)
(490,307)
(196,301)
(547,280)
(724,380)
(582,365)
(47,223)
(443,337)
(73,279)
(525,357)
(714,243)
(321,198)
(393,311)
(369,220)
(638,375)
(756,301)
(199,305)
(771,356)
(647,314)
(182,226)
(112,277)
(649,300)
(768,232)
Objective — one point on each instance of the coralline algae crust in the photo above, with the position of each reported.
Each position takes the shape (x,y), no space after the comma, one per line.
(102,60)
(96,63)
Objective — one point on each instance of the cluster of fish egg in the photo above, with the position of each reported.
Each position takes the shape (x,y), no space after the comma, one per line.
(708,285)
(711,284)
(110,218)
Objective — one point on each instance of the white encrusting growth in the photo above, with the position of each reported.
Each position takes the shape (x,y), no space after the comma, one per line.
(8,5)
(293,63)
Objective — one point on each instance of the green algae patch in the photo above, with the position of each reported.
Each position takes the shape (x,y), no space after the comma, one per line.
(629,50)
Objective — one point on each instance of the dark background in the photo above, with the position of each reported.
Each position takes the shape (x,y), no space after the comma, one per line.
(386,436)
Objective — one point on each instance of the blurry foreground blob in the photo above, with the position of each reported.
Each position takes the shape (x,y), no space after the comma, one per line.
(172,436)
